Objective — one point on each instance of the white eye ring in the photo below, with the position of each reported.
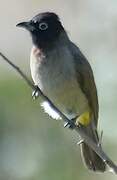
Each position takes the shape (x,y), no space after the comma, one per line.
(43,26)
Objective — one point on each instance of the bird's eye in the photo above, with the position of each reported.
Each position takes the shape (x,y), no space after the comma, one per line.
(43,26)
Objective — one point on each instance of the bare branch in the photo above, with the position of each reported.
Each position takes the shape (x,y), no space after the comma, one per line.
(97,148)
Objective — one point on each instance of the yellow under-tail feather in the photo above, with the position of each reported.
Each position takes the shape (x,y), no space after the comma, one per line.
(84,118)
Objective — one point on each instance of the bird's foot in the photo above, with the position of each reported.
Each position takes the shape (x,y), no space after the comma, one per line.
(70,124)
(35,93)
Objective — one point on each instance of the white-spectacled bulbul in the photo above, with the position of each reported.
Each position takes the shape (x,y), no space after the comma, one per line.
(64,75)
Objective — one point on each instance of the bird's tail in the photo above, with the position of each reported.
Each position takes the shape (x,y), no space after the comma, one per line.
(91,160)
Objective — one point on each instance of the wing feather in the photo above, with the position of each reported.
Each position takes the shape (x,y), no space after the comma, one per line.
(86,79)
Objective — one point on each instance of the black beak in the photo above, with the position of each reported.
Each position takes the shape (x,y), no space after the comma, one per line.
(27,25)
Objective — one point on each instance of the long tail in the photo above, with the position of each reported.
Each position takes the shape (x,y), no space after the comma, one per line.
(91,160)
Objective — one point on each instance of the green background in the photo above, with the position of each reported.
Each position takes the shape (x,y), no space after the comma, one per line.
(32,145)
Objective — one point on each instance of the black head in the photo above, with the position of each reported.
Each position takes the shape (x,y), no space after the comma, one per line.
(45,28)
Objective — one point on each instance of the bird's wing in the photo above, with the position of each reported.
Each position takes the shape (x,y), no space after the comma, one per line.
(85,79)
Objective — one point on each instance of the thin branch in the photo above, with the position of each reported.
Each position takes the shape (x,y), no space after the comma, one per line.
(97,148)
(18,70)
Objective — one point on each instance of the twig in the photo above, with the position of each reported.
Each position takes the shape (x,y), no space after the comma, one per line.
(78,129)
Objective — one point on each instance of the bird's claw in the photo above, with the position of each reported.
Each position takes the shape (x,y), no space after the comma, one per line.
(66,124)
(35,93)
(69,125)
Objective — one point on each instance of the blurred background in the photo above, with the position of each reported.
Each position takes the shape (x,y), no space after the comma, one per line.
(32,145)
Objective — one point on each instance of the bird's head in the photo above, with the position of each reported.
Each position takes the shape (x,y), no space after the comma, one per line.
(45,28)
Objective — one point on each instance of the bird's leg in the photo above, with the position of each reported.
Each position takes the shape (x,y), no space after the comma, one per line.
(70,124)
(35,93)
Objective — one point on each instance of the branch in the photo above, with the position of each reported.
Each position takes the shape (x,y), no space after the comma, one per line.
(78,129)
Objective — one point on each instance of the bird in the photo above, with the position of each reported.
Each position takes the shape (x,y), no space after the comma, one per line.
(64,75)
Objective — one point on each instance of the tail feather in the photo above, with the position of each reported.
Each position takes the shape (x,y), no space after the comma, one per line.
(91,160)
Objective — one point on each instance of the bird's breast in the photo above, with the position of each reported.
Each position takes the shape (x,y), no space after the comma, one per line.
(56,77)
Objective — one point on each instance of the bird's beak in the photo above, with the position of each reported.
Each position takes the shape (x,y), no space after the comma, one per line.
(27,25)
